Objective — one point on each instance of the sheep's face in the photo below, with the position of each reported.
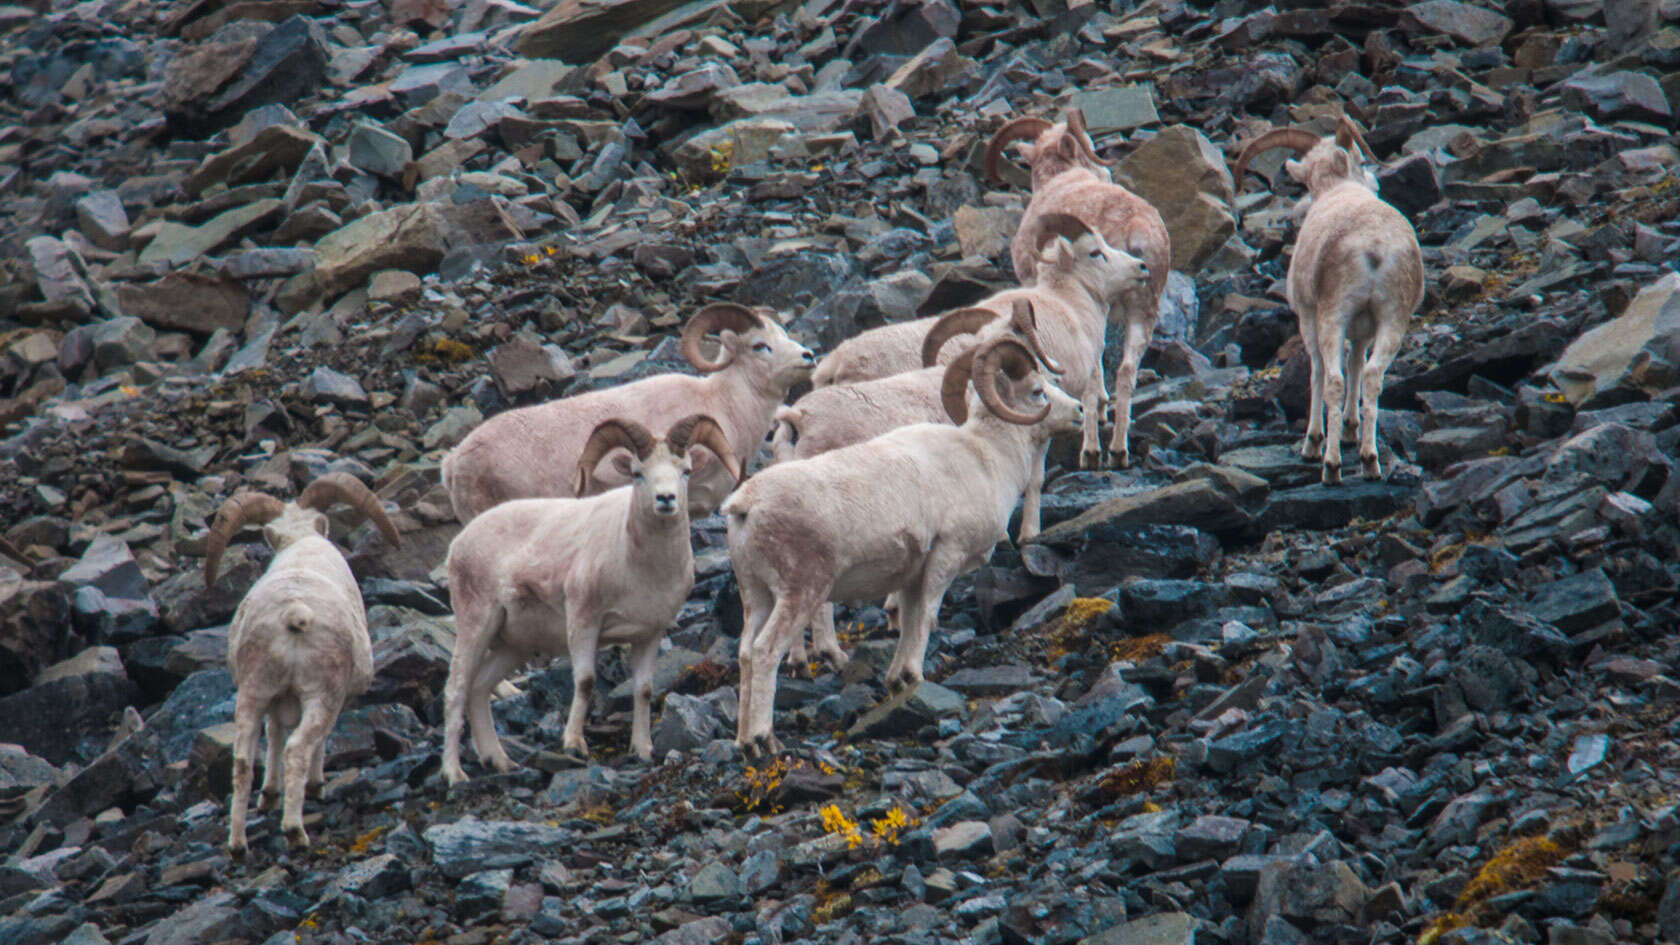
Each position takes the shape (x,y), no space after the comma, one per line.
(1031,393)
(772,354)
(1059,149)
(295,524)
(1327,165)
(660,482)
(1107,271)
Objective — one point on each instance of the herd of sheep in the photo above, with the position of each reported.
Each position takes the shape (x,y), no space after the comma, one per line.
(895,475)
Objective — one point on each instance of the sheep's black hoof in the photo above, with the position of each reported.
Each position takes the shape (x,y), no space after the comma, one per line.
(1090,459)
(1332,474)
(1370,468)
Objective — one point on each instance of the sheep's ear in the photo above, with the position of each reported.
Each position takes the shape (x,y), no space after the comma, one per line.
(1293,168)
(1068,145)
(1027,149)
(1340,163)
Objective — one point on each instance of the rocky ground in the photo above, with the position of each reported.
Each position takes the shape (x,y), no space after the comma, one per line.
(249,242)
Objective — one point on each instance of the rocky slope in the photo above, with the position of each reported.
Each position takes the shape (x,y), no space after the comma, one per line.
(248,242)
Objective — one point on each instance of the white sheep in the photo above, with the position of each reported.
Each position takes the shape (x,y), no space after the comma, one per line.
(529,453)
(536,578)
(298,647)
(904,513)
(1069,179)
(1354,281)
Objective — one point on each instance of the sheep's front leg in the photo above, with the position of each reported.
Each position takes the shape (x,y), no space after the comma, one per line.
(1090,431)
(1033,495)
(319,712)
(246,720)
(1139,325)
(582,639)
(643,656)
(919,613)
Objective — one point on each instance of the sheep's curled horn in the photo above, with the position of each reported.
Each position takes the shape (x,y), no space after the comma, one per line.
(241,509)
(606,437)
(1014,130)
(1299,140)
(971,320)
(716,317)
(980,365)
(1065,225)
(701,430)
(333,488)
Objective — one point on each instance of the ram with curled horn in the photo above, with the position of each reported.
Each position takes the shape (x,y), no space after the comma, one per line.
(298,647)
(537,578)
(900,515)
(532,452)
(1355,278)
(1069,181)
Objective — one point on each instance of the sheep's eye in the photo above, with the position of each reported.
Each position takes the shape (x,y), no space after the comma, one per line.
(762,346)
(636,476)
(1096,254)
(687,473)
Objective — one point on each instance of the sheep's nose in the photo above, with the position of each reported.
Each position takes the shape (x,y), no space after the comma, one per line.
(666,500)
(1143,270)
(808,356)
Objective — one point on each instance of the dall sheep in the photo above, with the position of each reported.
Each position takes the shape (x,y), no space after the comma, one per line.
(537,578)
(1068,178)
(530,452)
(1354,281)
(902,514)
(298,647)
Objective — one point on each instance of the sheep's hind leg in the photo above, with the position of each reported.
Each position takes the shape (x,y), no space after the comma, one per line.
(1391,330)
(756,604)
(792,610)
(1312,448)
(493,669)
(275,728)
(826,641)
(246,720)
(1331,342)
(318,715)
(1139,326)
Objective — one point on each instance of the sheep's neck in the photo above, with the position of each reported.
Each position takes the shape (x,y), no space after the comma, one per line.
(1013,447)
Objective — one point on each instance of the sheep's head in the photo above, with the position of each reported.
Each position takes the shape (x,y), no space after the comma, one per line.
(1323,162)
(1051,149)
(1007,379)
(286,522)
(659,467)
(1068,247)
(753,339)
(1023,324)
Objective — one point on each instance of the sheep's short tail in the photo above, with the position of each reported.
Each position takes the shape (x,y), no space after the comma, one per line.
(296,618)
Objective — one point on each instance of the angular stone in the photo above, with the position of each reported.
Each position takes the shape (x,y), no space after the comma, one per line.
(1184,177)
(931,70)
(373,878)
(965,838)
(886,109)
(696,88)
(1321,508)
(274,149)
(56,272)
(176,244)
(326,384)
(1308,895)
(1576,603)
(1213,504)
(378,151)
(397,286)
(992,680)
(714,882)
(481,892)
(685,724)
(524,363)
(579,31)
(906,713)
(1469,24)
(1211,837)
(1639,348)
(1619,95)
(407,236)
(103,220)
(470,845)
(742,141)
(285,65)
(1162,928)
(187,301)
(1117,108)
(34,629)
